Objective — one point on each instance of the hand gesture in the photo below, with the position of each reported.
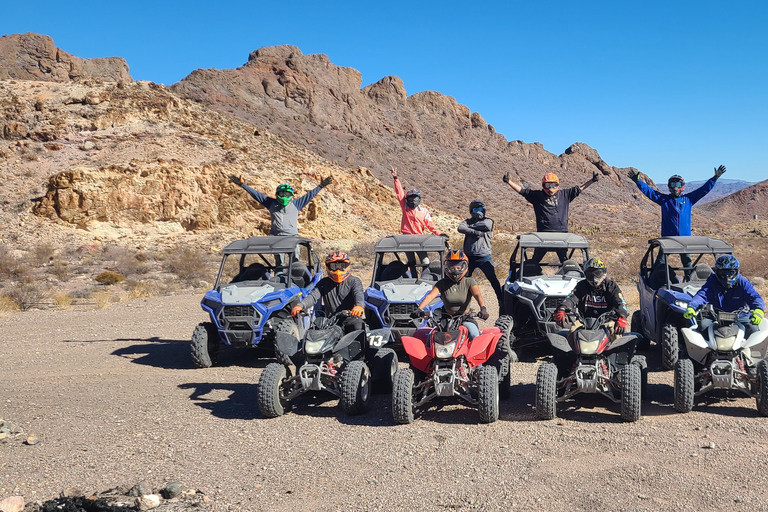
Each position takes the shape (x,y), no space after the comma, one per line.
(633,175)
(719,171)
(505,178)
(326,181)
(595,176)
(393,171)
(237,180)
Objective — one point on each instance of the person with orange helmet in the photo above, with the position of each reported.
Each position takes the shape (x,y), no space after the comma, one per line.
(551,205)
(337,291)
(457,290)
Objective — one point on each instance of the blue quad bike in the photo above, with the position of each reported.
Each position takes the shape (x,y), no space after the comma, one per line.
(672,271)
(259,281)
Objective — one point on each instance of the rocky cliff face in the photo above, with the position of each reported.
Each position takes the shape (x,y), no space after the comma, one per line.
(740,206)
(35,57)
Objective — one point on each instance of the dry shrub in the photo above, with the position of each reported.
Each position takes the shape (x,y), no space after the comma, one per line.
(141,289)
(25,295)
(108,277)
(362,253)
(42,254)
(7,304)
(101,298)
(62,302)
(9,265)
(190,264)
(60,269)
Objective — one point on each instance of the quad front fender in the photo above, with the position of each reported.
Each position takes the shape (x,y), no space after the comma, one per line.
(349,346)
(417,352)
(482,347)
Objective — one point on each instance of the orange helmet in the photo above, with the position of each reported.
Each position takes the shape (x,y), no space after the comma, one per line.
(456,265)
(550,183)
(337,264)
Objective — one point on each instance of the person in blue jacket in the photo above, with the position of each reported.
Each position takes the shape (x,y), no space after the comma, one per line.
(728,290)
(676,206)
(283,209)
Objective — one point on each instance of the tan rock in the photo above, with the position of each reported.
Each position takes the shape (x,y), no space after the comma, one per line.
(12,504)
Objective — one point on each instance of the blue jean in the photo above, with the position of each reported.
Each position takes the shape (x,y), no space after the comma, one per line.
(474,330)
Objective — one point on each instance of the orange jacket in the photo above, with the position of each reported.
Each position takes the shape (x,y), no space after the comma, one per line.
(414,219)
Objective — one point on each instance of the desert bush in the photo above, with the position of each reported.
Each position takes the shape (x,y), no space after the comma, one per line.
(101,298)
(62,301)
(108,277)
(60,269)
(9,265)
(42,254)
(140,289)
(362,253)
(190,264)
(7,304)
(25,295)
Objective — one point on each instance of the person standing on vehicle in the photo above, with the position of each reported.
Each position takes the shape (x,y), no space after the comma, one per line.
(595,295)
(283,208)
(727,290)
(551,205)
(676,206)
(457,290)
(477,231)
(415,218)
(337,291)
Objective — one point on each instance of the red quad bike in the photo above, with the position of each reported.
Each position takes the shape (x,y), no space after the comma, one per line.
(445,363)
(588,362)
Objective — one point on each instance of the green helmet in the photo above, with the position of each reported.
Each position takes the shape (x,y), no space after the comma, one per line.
(284,194)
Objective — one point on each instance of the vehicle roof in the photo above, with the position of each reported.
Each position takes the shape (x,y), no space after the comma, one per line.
(265,245)
(692,244)
(396,243)
(553,240)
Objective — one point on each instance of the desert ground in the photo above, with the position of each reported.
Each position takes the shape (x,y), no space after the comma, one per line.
(113,399)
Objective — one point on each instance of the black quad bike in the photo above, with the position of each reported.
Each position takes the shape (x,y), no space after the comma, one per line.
(587,361)
(326,359)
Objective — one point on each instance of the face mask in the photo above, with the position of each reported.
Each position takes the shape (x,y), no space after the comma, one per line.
(478,213)
(412,201)
(284,198)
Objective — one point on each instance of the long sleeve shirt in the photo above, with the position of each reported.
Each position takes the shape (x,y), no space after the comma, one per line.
(414,220)
(741,294)
(477,236)
(593,302)
(335,296)
(676,211)
(285,219)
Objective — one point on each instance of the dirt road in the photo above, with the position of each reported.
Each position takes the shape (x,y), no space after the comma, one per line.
(114,400)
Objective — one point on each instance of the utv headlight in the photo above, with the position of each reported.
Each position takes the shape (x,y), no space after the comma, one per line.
(444,351)
(210,304)
(681,304)
(272,303)
(530,295)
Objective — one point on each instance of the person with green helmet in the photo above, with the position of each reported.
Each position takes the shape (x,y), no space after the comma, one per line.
(283,208)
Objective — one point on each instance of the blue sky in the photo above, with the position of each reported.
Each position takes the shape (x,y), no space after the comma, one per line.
(664,86)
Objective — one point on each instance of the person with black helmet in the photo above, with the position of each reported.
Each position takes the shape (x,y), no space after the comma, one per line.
(727,290)
(477,231)
(416,218)
(456,291)
(595,295)
(676,206)
(337,291)
(283,208)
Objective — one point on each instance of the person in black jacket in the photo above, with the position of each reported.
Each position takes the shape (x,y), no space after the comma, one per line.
(595,295)
(477,232)
(338,291)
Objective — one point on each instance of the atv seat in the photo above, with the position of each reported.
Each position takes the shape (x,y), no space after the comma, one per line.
(299,274)
(253,272)
(570,269)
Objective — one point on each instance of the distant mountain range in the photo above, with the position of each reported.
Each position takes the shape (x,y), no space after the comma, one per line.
(723,188)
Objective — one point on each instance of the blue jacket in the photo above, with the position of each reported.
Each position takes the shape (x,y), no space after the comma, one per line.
(676,211)
(727,299)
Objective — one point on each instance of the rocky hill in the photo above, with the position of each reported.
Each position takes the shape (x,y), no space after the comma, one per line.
(87,153)
(722,188)
(744,205)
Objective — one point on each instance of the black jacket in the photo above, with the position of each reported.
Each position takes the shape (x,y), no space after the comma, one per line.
(593,302)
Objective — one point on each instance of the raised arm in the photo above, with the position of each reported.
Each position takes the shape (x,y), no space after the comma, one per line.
(595,177)
(515,186)
(258,196)
(644,188)
(399,192)
(696,196)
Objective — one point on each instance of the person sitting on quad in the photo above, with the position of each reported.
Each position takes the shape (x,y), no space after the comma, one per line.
(337,291)
(283,209)
(456,291)
(595,295)
(676,206)
(477,232)
(727,290)
(550,204)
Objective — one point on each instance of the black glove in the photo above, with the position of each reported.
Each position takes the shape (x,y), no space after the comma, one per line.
(237,180)
(445,235)
(505,178)
(719,171)
(633,175)
(595,176)
(419,313)
(326,181)
(483,314)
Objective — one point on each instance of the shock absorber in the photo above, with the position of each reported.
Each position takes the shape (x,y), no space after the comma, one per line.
(604,369)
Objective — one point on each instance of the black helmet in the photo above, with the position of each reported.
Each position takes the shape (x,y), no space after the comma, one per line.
(727,270)
(676,184)
(595,271)
(477,209)
(413,198)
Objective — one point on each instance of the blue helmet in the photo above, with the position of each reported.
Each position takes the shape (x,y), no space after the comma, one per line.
(727,270)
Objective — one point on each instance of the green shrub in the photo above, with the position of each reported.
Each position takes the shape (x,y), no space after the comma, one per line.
(108,277)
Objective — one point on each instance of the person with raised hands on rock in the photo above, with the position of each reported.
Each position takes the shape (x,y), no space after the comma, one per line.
(550,205)
(337,291)
(456,290)
(727,290)
(594,295)
(676,206)
(283,208)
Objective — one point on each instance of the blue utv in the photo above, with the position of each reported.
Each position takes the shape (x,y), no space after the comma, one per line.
(259,281)
(405,269)
(668,281)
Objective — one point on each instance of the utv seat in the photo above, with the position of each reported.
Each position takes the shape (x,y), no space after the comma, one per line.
(570,269)
(531,269)
(300,274)
(701,273)
(393,270)
(432,272)
(253,272)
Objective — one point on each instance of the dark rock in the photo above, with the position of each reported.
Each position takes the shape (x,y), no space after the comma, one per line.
(140,489)
(171,490)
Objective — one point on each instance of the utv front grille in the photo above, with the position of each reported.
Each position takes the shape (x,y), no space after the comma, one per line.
(238,311)
(402,308)
(553,302)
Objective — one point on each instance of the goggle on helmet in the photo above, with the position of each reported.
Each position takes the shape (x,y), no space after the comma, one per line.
(595,271)
(456,265)
(338,266)
(284,194)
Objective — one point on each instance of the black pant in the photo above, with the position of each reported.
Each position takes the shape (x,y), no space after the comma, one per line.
(538,254)
(352,323)
(485,264)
